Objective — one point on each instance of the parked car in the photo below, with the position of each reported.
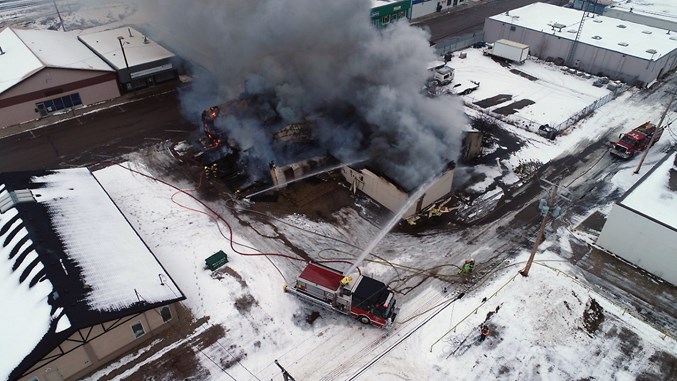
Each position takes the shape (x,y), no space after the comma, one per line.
(548,132)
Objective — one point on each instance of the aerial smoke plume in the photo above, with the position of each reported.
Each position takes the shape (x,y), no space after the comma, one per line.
(318,58)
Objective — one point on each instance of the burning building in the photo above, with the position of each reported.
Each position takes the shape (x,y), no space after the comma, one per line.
(394,196)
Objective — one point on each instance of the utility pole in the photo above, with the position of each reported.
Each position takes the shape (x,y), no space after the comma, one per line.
(653,137)
(548,209)
(59,14)
(285,374)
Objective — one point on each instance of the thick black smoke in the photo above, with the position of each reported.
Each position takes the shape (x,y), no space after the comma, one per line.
(317,58)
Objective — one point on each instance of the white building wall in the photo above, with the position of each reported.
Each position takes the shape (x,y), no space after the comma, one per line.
(385,193)
(376,187)
(590,58)
(430,6)
(641,241)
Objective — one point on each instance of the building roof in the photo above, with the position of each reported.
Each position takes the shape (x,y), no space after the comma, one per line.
(655,194)
(660,9)
(138,48)
(28,51)
(605,32)
(69,259)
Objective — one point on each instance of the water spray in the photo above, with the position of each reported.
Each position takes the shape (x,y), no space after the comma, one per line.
(393,221)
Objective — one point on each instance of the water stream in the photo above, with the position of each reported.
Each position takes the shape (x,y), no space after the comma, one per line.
(307,175)
(393,221)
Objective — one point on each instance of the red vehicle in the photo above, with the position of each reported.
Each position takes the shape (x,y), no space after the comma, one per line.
(636,140)
(365,299)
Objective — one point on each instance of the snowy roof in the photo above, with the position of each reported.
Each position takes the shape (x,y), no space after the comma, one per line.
(605,32)
(655,194)
(138,48)
(662,9)
(69,259)
(29,51)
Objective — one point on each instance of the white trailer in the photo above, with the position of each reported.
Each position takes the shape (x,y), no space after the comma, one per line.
(510,50)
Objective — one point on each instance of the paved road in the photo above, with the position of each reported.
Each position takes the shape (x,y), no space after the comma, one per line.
(96,137)
(471,19)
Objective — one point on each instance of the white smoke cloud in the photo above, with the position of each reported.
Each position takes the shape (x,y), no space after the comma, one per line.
(318,57)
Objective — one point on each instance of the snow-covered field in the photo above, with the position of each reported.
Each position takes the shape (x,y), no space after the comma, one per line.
(550,325)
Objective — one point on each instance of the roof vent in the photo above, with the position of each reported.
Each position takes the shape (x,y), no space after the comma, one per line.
(1,51)
(572,31)
(623,44)
(651,51)
(646,31)
(145,40)
(673,38)
(130,32)
(596,37)
(558,26)
(597,21)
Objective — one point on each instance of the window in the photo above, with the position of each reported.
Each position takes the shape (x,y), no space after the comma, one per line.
(56,104)
(394,17)
(513,28)
(386,19)
(166,314)
(76,99)
(137,329)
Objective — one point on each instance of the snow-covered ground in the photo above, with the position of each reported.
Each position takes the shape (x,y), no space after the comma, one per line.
(550,325)
(556,94)
(547,325)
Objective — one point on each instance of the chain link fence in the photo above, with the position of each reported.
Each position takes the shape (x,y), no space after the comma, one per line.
(452,44)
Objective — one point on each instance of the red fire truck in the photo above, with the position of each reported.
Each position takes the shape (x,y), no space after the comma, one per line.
(365,299)
(637,140)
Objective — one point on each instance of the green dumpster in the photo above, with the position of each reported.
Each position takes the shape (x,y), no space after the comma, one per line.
(216,260)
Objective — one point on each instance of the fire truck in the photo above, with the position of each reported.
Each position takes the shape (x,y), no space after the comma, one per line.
(365,299)
(636,140)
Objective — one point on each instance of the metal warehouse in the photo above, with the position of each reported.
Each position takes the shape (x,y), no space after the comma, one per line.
(139,61)
(633,53)
(642,227)
(46,72)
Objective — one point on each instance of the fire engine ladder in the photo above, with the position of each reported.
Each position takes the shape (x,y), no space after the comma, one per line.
(586,13)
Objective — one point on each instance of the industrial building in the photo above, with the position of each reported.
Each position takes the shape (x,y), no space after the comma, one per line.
(80,286)
(657,13)
(384,12)
(46,72)
(420,8)
(642,227)
(633,53)
(138,61)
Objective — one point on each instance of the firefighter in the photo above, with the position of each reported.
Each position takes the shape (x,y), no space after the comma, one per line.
(484,332)
(468,266)
(211,170)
